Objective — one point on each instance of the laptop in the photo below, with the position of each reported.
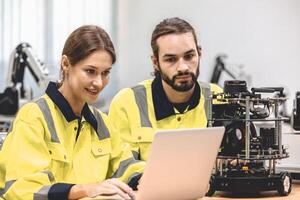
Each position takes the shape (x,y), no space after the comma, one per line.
(180,164)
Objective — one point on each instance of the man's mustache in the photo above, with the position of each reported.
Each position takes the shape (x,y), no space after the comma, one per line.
(184,74)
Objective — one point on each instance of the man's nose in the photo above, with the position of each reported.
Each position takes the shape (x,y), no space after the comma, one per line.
(182,65)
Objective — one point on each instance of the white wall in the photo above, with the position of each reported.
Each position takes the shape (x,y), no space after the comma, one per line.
(262,35)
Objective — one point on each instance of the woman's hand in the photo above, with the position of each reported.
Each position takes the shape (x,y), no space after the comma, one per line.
(107,188)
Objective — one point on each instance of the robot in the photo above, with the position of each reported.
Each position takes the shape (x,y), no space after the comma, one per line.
(21,58)
(246,161)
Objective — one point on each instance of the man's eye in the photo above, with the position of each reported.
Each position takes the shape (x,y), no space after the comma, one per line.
(189,56)
(171,59)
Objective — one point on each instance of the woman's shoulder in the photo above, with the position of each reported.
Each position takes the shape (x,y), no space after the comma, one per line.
(30,110)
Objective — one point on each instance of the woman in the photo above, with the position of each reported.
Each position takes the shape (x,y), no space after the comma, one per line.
(61,148)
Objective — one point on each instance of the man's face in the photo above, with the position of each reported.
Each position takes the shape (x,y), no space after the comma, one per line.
(178,60)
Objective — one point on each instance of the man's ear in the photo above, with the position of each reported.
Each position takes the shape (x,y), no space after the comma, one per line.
(199,49)
(154,62)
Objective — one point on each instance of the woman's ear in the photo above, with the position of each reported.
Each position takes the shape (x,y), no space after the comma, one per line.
(65,64)
(64,67)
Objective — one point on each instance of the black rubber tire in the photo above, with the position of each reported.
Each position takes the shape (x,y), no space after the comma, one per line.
(285,186)
(211,187)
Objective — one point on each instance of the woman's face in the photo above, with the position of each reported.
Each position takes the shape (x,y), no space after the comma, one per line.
(87,78)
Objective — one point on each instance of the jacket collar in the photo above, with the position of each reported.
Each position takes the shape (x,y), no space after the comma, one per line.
(64,106)
(163,108)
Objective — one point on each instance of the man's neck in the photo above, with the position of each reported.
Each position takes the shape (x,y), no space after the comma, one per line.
(175,96)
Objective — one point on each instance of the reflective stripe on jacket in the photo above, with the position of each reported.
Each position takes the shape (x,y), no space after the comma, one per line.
(133,115)
(42,149)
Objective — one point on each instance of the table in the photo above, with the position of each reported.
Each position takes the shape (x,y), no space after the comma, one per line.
(273,195)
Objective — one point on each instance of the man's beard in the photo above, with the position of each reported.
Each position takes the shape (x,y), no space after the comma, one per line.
(183,86)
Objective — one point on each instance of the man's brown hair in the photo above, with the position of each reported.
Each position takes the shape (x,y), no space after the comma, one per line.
(171,26)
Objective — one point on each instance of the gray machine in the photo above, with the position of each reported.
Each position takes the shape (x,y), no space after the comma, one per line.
(291,136)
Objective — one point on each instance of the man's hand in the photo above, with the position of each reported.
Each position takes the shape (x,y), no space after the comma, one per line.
(107,188)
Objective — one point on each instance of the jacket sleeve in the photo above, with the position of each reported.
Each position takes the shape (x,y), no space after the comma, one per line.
(118,114)
(216,89)
(27,160)
(122,163)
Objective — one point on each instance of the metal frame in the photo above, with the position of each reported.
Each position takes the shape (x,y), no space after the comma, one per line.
(272,180)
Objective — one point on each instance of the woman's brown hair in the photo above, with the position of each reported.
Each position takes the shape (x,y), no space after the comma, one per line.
(84,41)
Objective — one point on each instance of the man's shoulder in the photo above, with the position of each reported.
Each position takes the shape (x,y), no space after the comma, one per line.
(215,88)
(126,94)
(212,86)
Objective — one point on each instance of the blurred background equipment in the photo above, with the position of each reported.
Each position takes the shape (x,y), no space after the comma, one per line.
(228,71)
(16,93)
(219,68)
(21,58)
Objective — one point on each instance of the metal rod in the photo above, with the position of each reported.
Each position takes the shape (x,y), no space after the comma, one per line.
(279,124)
(247,134)
(278,129)
(221,167)
(210,100)
(216,167)
(274,165)
(270,167)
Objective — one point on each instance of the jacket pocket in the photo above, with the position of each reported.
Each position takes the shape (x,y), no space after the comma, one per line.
(100,162)
(58,152)
(142,135)
(101,147)
(60,161)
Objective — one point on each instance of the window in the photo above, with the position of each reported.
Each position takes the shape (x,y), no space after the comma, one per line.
(45,25)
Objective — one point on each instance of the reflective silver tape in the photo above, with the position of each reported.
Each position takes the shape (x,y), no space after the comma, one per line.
(136,155)
(141,101)
(124,166)
(102,130)
(50,175)
(205,87)
(42,194)
(48,118)
(8,184)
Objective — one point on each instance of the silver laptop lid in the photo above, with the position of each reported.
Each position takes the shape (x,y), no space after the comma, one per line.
(180,164)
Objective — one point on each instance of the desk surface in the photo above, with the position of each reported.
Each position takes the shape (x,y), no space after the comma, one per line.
(294,195)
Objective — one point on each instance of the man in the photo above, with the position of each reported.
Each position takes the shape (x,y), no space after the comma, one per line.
(174,99)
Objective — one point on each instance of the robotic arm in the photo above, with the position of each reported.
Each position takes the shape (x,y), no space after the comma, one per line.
(219,68)
(21,57)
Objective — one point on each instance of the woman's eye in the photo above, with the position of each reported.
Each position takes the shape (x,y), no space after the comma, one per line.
(90,71)
(105,73)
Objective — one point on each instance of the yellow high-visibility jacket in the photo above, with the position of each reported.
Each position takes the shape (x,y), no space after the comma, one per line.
(139,111)
(2,171)
(48,149)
